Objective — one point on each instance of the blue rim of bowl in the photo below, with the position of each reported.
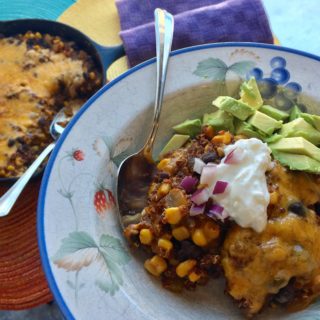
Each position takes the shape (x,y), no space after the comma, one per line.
(44,184)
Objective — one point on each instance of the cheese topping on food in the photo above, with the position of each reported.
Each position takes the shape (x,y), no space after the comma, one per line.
(31,85)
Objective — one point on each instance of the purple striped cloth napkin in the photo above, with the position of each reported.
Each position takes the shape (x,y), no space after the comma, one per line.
(196,22)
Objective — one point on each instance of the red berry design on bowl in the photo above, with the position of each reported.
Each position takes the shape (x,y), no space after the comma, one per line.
(100,202)
(78,155)
(103,201)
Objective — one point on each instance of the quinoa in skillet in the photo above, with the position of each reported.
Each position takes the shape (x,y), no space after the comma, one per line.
(40,74)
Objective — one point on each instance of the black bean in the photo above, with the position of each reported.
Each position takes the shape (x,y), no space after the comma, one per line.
(209,157)
(188,250)
(285,294)
(297,208)
(11,143)
(31,43)
(42,122)
(20,140)
(317,208)
(163,175)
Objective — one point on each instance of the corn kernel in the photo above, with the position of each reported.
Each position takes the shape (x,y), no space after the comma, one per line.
(274,197)
(152,188)
(217,139)
(181,233)
(211,231)
(145,236)
(18,162)
(227,137)
(220,152)
(165,244)
(10,167)
(194,277)
(208,148)
(222,137)
(209,132)
(184,268)
(163,164)
(173,215)
(156,265)
(164,189)
(199,238)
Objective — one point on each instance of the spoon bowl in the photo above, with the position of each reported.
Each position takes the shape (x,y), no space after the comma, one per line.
(135,173)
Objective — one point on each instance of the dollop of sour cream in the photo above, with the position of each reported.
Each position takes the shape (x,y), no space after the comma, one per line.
(246,197)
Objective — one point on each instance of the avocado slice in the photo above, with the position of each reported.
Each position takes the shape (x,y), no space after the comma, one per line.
(296,145)
(274,113)
(249,131)
(312,119)
(189,127)
(176,141)
(300,128)
(295,113)
(250,94)
(236,107)
(219,120)
(274,138)
(264,123)
(297,162)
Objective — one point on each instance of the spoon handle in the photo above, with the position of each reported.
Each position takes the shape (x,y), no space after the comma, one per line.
(10,197)
(164,25)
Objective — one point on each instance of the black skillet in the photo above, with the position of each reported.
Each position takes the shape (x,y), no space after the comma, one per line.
(102,56)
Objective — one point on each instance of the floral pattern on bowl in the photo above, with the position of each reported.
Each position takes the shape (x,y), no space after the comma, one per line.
(79,249)
(89,266)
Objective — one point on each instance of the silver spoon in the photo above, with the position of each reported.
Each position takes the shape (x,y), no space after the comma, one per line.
(136,171)
(10,197)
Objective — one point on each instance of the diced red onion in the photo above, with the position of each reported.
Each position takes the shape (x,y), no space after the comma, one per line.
(234,156)
(196,210)
(189,183)
(220,187)
(217,212)
(216,209)
(198,165)
(208,173)
(200,196)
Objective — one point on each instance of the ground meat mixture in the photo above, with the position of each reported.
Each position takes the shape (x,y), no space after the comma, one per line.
(40,74)
(280,265)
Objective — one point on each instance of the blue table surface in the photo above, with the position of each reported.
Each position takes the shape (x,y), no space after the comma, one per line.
(295,23)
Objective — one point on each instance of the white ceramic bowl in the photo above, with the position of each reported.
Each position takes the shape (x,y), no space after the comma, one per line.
(89,267)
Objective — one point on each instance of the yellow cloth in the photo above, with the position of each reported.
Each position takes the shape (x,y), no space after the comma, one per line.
(99,20)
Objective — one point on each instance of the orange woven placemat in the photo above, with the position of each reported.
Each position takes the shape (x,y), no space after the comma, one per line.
(22,282)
